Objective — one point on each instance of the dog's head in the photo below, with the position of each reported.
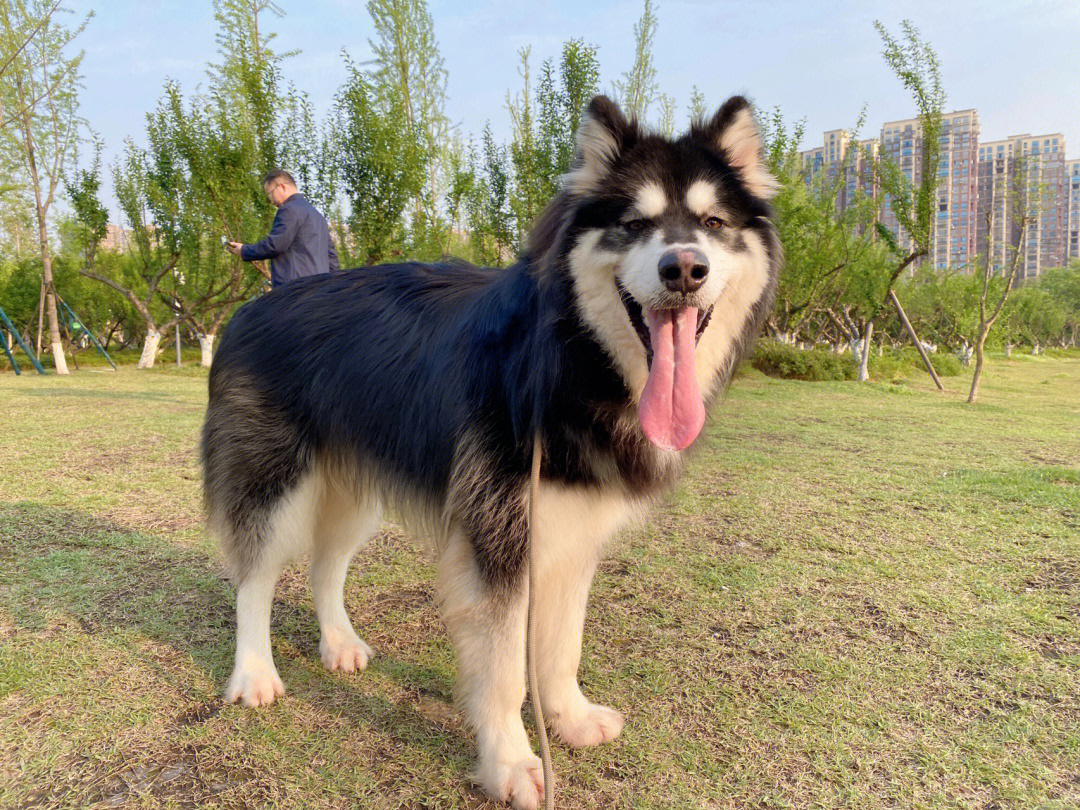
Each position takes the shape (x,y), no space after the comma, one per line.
(671,255)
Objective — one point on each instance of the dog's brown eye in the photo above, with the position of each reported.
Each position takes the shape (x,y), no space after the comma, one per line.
(713,223)
(636,225)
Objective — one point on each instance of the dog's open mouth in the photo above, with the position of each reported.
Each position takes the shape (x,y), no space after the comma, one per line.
(637,320)
(671,409)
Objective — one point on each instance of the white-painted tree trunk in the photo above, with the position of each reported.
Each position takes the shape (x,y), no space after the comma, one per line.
(856,351)
(964,353)
(149,349)
(1036,348)
(206,343)
(1008,350)
(864,352)
(59,359)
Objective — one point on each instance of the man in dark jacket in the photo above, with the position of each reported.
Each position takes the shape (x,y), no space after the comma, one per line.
(299,242)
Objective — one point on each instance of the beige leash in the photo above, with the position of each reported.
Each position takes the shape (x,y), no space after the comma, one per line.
(530,643)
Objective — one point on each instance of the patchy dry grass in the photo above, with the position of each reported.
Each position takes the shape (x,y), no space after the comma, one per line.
(863,596)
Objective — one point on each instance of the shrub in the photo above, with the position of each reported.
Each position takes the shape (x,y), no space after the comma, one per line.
(1070,353)
(888,367)
(903,363)
(792,363)
(945,364)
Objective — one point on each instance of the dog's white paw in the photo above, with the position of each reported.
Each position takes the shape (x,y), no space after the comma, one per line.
(255,684)
(594,725)
(345,653)
(519,783)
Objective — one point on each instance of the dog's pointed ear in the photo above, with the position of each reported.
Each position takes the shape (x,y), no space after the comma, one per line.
(734,133)
(603,134)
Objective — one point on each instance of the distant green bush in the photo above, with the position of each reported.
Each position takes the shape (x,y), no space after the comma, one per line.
(945,364)
(1061,354)
(818,364)
(894,364)
(792,363)
(888,367)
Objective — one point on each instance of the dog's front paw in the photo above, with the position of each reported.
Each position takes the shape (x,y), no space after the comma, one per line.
(519,783)
(593,725)
(254,684)
(347,654)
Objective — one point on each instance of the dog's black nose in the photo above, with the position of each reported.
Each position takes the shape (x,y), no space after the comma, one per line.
(683,270)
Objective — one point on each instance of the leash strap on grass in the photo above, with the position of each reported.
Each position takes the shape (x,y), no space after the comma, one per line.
(530,639)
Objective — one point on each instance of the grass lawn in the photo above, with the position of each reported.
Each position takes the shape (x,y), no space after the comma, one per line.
(862,596)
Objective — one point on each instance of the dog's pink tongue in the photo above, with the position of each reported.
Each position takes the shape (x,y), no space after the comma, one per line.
(671,410)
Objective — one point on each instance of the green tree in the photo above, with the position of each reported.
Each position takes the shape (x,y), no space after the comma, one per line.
(380,163)
(409,72)
(832,281)
(531,187)
(561,98)
(1063,286)
(697,105)
(994,287)
(913,202)
(141,189)
(638,89)
(224,143)
(39,91)
(488,202)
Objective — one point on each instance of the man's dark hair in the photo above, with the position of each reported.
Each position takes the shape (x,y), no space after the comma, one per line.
(274,175)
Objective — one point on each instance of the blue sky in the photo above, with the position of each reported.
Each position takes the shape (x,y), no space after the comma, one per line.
(1013,60)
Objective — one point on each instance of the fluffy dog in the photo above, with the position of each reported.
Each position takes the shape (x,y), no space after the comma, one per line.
(418,388)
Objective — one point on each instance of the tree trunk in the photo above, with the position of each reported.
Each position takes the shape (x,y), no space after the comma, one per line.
(150,348)
(915,339)
(864,356)
(206,343)
(42,211)
(979,356)
(964,352)
(40,317)
(1008,350)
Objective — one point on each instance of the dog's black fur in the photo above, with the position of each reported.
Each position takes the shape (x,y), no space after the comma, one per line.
(398,366)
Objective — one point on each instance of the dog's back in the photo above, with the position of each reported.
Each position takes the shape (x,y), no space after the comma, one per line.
(371,373)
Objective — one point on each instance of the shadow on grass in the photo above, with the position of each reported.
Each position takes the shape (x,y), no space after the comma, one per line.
(79,570)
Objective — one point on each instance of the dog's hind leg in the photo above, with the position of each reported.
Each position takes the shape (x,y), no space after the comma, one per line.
(255,680)
(288,533)
(488,631)
(342,527)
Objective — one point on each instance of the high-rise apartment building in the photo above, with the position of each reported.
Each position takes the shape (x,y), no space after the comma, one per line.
(997,232)
(1072,209)
(976,179)
(834,156)
(1043,168)
(954,228)
(1024,174)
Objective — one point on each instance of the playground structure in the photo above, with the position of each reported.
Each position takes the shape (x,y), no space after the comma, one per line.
(73,325)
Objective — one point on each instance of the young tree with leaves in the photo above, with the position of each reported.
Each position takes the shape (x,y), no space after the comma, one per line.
(141,188)
(916,64)
(637,89)
(408,70)
(381,166)
(1023,207)
(39,122)
(224,143)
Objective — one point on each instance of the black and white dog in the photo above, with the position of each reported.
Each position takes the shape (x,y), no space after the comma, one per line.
(417,389)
